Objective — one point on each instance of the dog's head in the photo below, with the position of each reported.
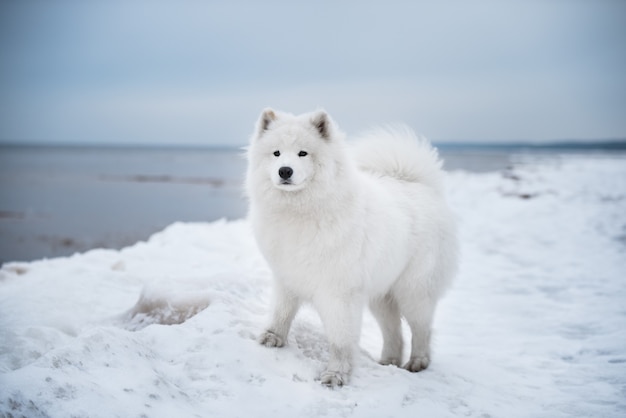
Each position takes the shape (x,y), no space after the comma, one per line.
(290,149)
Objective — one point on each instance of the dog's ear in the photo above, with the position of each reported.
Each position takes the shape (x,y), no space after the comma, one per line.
(267,117)
(322,123)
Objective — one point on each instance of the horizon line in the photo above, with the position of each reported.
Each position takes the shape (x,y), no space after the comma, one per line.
(611,143)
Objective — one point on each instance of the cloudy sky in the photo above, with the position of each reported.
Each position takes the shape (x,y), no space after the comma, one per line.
(200,72)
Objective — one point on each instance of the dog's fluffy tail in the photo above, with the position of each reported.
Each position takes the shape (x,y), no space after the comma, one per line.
(397,152)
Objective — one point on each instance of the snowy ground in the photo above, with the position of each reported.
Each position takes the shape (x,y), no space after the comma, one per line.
(534,327)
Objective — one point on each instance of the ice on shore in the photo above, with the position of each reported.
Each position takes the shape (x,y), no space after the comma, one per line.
(534,326)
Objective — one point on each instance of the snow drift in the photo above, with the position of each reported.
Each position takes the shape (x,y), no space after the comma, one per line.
(534,326)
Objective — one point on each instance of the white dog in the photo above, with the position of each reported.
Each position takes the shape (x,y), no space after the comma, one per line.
(344,225)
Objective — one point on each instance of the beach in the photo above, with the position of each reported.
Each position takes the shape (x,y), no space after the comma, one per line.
(56,201)
(534,325)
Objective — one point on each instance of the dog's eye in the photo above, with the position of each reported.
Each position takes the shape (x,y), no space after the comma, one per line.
(276,153)
(303,154)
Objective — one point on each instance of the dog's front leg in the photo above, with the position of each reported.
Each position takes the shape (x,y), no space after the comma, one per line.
(342,322)
(286,305)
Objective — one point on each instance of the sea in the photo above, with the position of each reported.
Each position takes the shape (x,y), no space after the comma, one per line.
(60,200)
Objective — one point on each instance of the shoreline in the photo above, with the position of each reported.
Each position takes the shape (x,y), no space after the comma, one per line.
(66,201)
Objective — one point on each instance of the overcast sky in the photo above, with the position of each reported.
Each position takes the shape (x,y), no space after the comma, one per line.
(200,72)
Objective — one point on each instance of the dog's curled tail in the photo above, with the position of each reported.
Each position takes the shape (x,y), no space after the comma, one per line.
(396,151)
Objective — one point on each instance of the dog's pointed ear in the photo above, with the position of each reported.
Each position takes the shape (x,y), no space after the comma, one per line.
(322,123)
(267,117)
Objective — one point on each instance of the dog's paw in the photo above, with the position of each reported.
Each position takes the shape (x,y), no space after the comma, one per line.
(417,364)
(269,339)
(390,362)
(333,379)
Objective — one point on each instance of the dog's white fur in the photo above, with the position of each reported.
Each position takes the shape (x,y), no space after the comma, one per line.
(355,224)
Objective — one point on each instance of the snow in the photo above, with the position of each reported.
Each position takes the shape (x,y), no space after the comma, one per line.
(534,326)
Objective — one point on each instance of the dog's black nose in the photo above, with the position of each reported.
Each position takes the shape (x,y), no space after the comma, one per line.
(285,172)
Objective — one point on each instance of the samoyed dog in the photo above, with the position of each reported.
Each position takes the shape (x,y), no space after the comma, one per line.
(344,225)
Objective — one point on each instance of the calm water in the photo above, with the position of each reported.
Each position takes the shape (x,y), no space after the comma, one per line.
(57,201)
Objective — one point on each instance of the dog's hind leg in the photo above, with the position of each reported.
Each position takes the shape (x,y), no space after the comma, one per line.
(418,312)
(385,310)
